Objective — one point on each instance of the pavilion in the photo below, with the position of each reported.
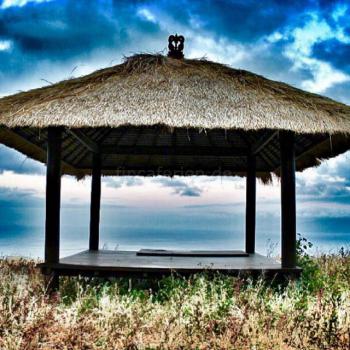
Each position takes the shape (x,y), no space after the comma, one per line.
(167,115)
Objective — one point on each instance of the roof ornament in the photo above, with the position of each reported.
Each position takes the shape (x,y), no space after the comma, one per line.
(176,46)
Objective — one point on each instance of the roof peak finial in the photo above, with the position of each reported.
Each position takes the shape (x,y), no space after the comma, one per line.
(176,46)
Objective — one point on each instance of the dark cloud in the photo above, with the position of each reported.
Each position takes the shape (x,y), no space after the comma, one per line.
(188,191)
(242,20)
(68,32)
(180,187)
(60,29)
(127,181)
(334,51)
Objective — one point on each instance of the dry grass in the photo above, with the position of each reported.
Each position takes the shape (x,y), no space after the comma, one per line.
(174,313)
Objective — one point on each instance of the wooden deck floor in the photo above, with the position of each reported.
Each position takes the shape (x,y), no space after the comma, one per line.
(115,263)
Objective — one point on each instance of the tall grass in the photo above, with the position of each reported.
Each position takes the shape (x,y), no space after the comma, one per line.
(201,312)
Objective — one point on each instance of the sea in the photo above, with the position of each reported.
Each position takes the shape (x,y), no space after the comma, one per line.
(22,231)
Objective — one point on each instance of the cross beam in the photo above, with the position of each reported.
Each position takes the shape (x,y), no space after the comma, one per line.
(177,150)
(84,140)
(264,141)
(157,150)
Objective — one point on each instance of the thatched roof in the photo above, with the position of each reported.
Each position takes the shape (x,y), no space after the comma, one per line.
(152,101)
(153,89)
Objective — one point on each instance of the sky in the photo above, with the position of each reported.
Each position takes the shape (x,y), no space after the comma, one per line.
(303,43)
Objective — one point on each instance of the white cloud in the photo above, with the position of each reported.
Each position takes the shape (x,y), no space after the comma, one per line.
(5,45)
(72,191)
(33,184)
(313,184)
(199,43)
(20,3)
(300,50)
(339,11)
(328,184)
(274,37)
(217,50)
(147,15)
(324,75)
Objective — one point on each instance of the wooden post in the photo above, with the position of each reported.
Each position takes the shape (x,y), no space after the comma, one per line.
(288,206)
(95,202)
(250,205)
(53,202)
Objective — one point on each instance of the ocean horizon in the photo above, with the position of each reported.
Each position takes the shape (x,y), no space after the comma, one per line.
(22,231)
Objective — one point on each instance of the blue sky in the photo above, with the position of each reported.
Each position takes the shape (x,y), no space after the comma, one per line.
(303,43)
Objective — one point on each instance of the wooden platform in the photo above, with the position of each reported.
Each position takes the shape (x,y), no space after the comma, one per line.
(121,263)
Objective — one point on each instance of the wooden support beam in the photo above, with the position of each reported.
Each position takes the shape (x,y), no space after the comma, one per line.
(84,140)
(288,202)
(53,201)
(171,151)
(264,141)
(11,137)
(250,204)
(95,202)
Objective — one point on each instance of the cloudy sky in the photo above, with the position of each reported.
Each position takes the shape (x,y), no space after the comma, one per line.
(303,43)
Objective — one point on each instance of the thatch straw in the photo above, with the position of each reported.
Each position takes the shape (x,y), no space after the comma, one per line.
(157,90)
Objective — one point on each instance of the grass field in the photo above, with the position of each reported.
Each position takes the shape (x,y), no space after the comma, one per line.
(201,312)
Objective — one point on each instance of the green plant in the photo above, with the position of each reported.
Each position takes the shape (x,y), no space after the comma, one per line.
(312,278)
